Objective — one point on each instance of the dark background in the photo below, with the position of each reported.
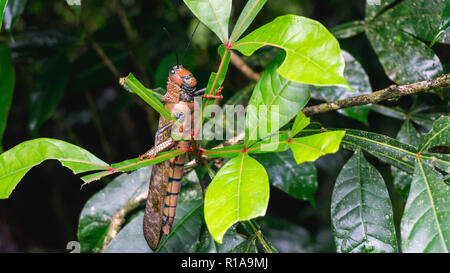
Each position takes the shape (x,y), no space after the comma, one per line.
(95,113)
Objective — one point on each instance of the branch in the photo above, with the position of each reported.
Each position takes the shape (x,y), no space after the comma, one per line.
(243,67)
(392,92)
(118,218)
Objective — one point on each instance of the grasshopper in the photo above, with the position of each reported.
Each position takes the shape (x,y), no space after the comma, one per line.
(165,180)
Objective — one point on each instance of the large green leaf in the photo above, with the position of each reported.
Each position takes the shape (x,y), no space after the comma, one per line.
(425,225)
(131,84)
(215,14)
(17,161)
(246,17)
(358,79)
(374,7)
(310,148)
(97,212)
(305,61)
(438,136)
(402,180)
(348,30)
(274,102)
(361,211)
(389,150)
(394,33)
(299,181)
(48,89)
(239,192)
(13,10)
(7,80)
(2,9)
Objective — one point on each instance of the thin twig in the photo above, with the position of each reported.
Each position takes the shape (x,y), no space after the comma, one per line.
(392,92)
(118,218)
(243,67)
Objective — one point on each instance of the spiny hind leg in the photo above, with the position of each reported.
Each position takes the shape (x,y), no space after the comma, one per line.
(161,147)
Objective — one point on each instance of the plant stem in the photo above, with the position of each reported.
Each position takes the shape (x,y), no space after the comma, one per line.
(243,67)
(392,92)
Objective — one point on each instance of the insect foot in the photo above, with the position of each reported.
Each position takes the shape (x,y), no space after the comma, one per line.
(217,94)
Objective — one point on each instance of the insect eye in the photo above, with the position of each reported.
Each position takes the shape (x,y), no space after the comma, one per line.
(172,71)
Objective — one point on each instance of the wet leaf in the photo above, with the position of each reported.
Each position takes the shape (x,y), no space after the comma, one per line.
(425,223)
(361,211)
(215,14)
(274,102)
(238,192)
(7,81)
(298,36)
(299,181)
(312,147)
(402,180)
(97,212)
(17,161)
(438,136)
(393,35)
(358,79)
(444,25)
(374,7)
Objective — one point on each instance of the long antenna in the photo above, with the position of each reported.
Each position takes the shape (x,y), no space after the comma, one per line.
(190,40)
(173,43)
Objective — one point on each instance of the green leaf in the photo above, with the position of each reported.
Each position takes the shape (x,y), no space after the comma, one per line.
(215,14)
(312,147)
(48,90)
(7,80)
(373,8)
(132,164)
(2,9)
(402,180)
(361,211)
(246,17)
(425,225)
(438,136)
(17,161)
(247,246)
(13,11)
(239,192)
(131,84)
(97,212)
(348,30)
(301,121)
(395,36)
(305,61)
(389,150)
(444,25)
(358,80)
(206,243)
(274,102)
(299,181)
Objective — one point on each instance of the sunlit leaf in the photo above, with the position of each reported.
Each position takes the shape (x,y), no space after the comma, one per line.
(425,225)
(274,102)
(215,14)
(305,62)
(361,211)
(301,121)
(17,161)
(2,9)
(312,147)
(238,192)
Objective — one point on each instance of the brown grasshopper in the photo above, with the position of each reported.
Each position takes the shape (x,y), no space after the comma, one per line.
(165,181)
